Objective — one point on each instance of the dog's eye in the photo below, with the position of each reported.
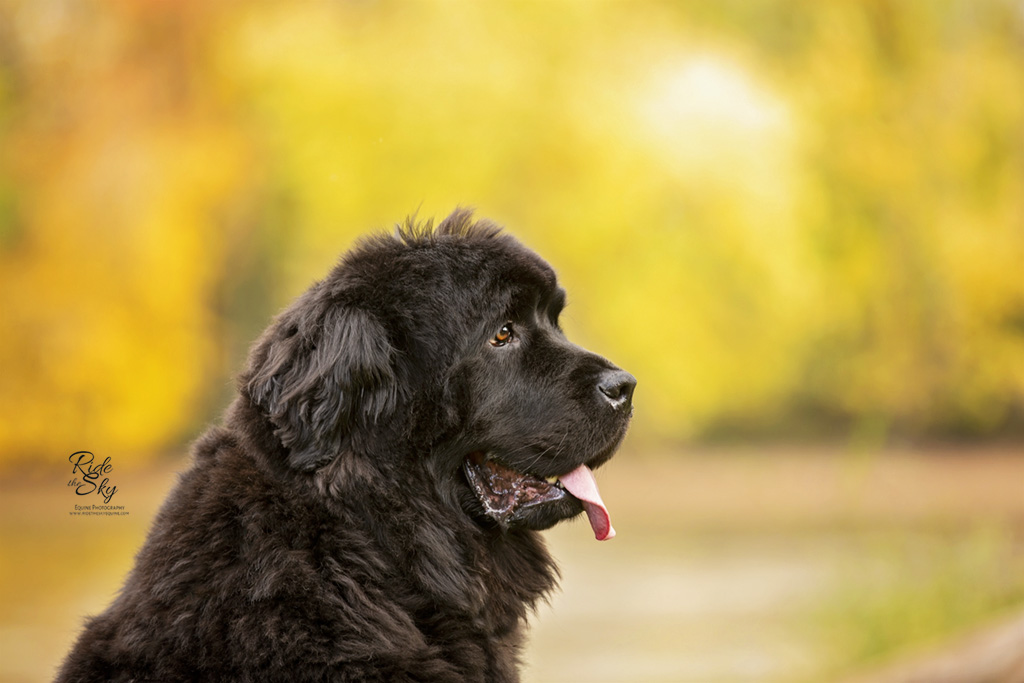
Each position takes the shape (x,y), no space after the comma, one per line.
(504,335)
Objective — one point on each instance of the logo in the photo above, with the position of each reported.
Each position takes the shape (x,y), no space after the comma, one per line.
(90,481)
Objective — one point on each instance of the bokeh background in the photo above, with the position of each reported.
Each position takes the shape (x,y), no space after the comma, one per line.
(799,224)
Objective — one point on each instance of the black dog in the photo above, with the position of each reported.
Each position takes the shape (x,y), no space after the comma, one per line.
(368,510)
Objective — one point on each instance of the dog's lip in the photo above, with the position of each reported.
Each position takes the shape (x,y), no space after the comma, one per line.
(478,458)
(505,492)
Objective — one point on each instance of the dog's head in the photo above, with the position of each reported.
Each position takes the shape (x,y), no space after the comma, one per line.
(444,346)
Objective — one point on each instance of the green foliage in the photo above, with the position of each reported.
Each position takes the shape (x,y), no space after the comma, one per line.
(916,591)
(781,217)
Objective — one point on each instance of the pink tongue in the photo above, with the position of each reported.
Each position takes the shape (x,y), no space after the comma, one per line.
(581,483)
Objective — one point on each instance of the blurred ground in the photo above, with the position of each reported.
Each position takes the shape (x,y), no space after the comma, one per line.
(783,566)
(729,565)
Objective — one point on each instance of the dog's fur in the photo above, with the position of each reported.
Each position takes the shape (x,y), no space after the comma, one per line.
(326,531)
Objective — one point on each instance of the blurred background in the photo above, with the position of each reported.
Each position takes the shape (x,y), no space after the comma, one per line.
(799,224)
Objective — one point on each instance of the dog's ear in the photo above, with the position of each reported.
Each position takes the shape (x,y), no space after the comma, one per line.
(321,378)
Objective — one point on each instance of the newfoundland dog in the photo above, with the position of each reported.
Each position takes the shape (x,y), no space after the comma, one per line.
(368,511)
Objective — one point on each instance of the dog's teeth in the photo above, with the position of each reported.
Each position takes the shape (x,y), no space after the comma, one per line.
(552,480)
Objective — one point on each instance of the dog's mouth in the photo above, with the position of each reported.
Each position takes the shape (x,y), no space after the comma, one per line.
(507,495)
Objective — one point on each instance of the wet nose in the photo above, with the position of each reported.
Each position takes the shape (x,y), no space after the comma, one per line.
(617,386)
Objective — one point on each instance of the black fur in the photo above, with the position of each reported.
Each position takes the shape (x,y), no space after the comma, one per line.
(327,532)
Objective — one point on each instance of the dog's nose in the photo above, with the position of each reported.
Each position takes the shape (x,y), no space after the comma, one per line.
(617,386)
